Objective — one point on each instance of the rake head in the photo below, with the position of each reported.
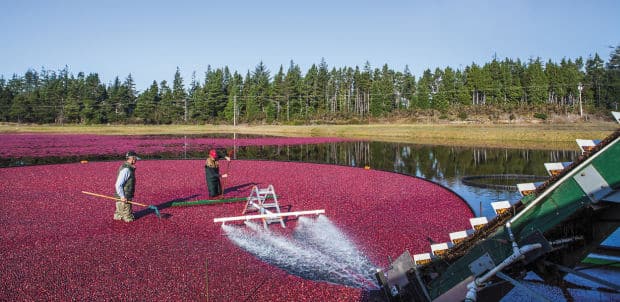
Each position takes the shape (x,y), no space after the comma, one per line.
(154,208)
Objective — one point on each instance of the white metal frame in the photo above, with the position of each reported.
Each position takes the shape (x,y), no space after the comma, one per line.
(258,201)
(262,200)
(268,216)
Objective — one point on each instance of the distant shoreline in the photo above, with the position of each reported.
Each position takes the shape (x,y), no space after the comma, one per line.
(541,136)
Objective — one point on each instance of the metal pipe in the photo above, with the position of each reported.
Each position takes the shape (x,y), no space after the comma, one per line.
(472,287)
(565,240)
(515,247)
(269,216)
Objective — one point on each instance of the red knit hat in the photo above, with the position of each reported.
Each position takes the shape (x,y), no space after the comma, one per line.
(213,153)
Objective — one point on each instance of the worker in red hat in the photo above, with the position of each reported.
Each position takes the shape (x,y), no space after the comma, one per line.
(212,173)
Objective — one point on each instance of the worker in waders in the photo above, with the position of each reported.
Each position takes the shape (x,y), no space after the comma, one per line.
(125,187)
(212,173)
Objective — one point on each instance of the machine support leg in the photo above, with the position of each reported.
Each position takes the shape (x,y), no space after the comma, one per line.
(605,283)
(520,286)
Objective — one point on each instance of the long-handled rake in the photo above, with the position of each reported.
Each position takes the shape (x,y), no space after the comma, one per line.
(152,207)
(223,182)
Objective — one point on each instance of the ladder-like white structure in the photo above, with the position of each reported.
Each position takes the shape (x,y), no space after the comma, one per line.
(262,200)
(265,202)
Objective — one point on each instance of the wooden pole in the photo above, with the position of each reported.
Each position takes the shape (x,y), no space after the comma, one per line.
(114,198)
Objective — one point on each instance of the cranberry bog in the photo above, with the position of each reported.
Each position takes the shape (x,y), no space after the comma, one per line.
(29,145)
(60,244)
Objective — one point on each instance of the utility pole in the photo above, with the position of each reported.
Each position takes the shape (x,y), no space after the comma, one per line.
(580,87)
(185,108)
(235,111)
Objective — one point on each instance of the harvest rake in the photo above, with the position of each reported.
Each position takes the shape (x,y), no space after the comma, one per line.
(152,207)
(223,183)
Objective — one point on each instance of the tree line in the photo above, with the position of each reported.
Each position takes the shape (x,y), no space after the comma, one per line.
(321,94)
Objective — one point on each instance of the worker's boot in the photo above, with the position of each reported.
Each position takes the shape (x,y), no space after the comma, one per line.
(118,212)
(126,212)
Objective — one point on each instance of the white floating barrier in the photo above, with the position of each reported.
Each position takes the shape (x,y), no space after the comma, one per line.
(439,249)
(457,237)
(526,188)
(421,259)
(586,145)
(616,116)
(501,207)
(554,168)
(478,222)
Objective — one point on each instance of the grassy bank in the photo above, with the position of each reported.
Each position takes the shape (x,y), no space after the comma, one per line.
(531,136)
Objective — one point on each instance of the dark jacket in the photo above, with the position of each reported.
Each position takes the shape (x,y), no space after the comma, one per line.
(130,185)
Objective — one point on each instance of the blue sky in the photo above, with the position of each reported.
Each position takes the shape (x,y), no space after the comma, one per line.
(149,39)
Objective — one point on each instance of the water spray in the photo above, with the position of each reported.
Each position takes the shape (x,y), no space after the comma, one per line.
(317,250)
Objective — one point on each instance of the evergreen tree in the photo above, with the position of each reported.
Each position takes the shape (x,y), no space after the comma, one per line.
(347,90)
(6,100)
(570,76)
(73,105)
(613,78)
(331,92)
(311,92)
(215,94)
(235,90)
(362,84)
(146,104)
(557,90)
(59,97)
(200,110)
(515,91)
(463,94)
(425,91)
(494,86)
(117,112)
(246,100)
(594,79)
(440,91)
(382,96)
(408,88)
(277,96)
(293,92)
(46,102)
(123,99)
(179,99)
(535,83)
(192,92)
(167,112)
(258,93)
(95,110)
(474,83)
(21,108)
(321,87)
(447,89)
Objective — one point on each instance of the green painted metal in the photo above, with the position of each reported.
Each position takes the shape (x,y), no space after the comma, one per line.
(209,201)
(600,262)
(565,199)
